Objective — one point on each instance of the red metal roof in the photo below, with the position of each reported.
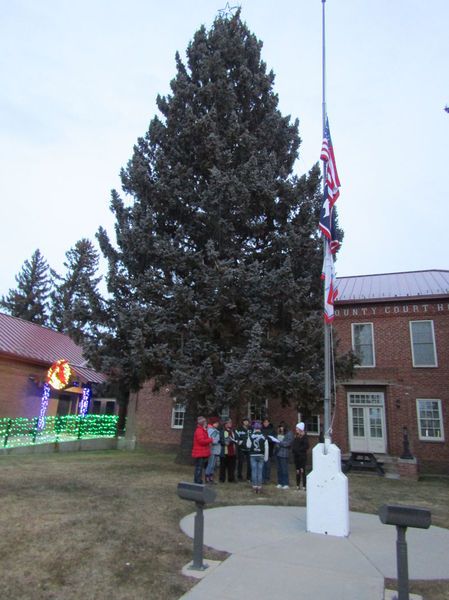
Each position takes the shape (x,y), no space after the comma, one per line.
(36,344)
(393,286)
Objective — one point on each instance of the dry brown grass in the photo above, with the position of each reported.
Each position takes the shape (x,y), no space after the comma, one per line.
(105,525)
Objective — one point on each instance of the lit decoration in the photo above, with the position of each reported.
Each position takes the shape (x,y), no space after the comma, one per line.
(25,432)
(84,403)
(44,406)
(59,374)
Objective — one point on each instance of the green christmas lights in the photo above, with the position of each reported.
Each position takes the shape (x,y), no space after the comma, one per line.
(24,432)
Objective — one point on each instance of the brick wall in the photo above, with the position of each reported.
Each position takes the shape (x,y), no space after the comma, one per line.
(408,469)
(400,382)
(19,394)
(154,417)
(154,414)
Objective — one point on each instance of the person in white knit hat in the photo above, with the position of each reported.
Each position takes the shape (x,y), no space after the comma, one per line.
(299,450)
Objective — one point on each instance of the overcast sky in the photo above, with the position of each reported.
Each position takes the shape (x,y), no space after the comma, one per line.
(79,82)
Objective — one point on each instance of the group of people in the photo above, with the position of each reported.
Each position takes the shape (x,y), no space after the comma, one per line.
(254,446)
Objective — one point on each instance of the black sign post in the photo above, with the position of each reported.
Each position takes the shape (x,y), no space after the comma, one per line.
(403,517)
(201,495)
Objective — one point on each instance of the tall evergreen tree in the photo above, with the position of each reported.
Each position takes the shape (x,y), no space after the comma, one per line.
(75,296)
(215,276)
(29,300)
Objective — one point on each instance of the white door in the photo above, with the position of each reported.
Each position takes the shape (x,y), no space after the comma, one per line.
(366,420)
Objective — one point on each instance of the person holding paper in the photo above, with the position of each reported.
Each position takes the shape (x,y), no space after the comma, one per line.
(228,453)
(268,430)
(215,448)
(285,438)
(241,434)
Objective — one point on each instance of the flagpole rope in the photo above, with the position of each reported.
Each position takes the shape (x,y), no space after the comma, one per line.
(334,381)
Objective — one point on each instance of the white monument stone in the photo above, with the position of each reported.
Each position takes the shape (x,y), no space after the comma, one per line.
(327,493)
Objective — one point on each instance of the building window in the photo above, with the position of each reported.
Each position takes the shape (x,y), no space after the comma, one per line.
(373,398)
(358,422)
(430,420)
(110,407)
(311,421)
(224,413)
(363,343)
(423,344)
(177,416)
(257,410)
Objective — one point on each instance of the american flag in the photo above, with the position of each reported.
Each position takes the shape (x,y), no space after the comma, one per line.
(331,190)
(327,223)
(327,155)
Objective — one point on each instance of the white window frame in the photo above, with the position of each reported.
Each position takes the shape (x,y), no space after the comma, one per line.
(225,413)
(353,325)
(257,412)
(306,420)
(427,438)
(412,344)
(176,411)
(363,400)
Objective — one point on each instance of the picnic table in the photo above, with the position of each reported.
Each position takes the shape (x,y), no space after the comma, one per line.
(363,460)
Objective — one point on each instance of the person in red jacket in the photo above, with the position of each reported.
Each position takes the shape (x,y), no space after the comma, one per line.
(201,448)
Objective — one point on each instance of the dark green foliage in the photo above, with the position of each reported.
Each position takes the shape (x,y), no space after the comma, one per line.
(214,279)
(75,297)
(29,300)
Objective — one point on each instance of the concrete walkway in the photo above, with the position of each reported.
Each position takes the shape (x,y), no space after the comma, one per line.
(272,555)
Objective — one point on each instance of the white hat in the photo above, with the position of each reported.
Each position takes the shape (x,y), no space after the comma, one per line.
(300,426)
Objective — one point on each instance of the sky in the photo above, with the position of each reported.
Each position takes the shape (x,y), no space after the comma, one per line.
(79,82)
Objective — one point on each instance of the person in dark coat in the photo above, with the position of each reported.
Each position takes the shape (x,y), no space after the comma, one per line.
(201,448)
(267,430)
(228,453)
(299,450)
(241,434)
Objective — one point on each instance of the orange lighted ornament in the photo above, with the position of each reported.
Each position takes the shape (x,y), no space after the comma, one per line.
(59,374)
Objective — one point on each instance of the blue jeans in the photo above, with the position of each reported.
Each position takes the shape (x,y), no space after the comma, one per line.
(256,469)
(282,468)
(266,471)
(211,464)
(198,474)
(242,456)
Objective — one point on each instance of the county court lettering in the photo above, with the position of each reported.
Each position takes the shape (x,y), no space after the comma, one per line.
(392,309)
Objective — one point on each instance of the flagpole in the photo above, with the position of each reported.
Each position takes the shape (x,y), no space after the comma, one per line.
(327,365)
(324,63)
(327,506)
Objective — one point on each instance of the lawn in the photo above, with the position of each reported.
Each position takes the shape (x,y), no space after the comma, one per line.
(105,525)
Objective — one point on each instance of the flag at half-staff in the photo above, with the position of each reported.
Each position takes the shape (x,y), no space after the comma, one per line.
(331,190)
(327,223)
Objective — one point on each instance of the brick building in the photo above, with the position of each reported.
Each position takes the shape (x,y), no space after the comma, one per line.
(398,324)
(27,351)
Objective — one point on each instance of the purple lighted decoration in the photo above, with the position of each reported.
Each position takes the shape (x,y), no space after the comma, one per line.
(44,406)
(84,404)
